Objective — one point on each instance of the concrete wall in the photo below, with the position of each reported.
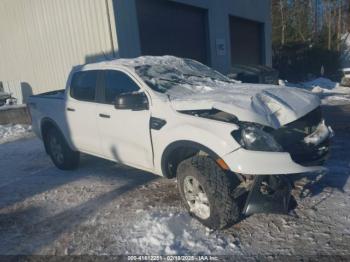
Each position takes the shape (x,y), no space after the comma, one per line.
(40,40)
(219,31)
(16,115)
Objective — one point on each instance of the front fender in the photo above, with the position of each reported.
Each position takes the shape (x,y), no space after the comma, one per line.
(213,138)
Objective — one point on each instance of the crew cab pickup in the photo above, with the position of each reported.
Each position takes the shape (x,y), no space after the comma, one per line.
(230,145)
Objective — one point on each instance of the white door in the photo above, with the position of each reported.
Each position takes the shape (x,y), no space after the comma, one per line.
(125,134)
(81,112)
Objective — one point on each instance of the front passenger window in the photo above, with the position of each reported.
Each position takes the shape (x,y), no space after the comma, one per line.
(116,83)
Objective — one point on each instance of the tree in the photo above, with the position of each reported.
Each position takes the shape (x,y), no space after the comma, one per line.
(308,35)
(319,22)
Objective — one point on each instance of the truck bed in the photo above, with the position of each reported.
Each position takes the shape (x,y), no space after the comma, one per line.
(47,105)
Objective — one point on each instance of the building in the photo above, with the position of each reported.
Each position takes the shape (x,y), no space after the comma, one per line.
(42,39)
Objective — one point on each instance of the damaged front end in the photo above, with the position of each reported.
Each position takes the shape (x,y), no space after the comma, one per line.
(269,194)
(268,154)
(307,140)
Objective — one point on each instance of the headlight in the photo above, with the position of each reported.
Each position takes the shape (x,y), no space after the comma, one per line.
(252,137)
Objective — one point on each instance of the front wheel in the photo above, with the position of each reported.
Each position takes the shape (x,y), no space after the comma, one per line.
(61,154)
(208,192)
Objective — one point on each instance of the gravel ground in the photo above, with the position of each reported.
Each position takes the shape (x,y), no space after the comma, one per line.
(106,209)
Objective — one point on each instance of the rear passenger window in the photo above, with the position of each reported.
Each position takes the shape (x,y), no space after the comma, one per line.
(117,83)
(83,85)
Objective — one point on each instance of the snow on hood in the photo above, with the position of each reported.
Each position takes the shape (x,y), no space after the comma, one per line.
(264,104)
(191,85)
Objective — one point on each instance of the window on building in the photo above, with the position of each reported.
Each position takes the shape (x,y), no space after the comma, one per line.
(83,86)
(117,83)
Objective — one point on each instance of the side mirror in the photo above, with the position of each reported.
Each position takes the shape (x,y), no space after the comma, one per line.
(133,101)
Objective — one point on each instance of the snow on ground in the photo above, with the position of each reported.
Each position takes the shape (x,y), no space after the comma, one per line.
(106,209)
(101,208)
(331,93)
(13,132)
(177,233)
(322,83)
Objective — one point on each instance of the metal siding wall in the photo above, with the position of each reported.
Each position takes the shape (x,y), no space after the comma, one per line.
(40,40)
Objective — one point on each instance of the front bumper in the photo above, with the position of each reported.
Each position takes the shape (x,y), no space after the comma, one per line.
(265,163)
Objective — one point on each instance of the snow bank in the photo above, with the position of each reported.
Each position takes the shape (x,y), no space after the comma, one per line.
(315,85)
(331,93)
(321,82)
(176,234)
(12,132)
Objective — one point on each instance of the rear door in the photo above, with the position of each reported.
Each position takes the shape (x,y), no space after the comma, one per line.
(81,112)
(125,134)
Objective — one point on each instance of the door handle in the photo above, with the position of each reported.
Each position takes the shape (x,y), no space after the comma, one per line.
(105,116)
(70,109)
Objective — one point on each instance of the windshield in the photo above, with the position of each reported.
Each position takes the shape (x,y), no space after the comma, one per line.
(163,77)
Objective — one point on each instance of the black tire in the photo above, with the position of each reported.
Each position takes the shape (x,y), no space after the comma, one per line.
(68,159)
(219,186)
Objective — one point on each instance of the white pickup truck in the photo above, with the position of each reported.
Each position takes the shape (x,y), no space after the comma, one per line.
(230,145)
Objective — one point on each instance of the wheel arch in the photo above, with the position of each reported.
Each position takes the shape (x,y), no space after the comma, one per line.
(45,125)
(177,151)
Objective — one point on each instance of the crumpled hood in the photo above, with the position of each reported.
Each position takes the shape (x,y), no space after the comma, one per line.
(268,105)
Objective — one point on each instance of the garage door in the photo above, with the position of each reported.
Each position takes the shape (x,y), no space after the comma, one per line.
(246,41)
(168,28)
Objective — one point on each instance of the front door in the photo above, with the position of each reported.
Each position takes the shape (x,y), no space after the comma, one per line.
(125,135)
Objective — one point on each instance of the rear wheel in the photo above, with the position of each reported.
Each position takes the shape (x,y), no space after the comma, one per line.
(61,154)
(208,192)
